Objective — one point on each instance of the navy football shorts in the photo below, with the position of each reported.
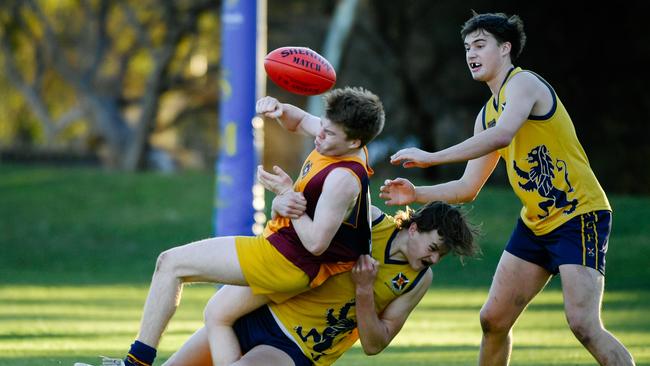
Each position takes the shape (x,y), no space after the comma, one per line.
(259,327)
(581,240)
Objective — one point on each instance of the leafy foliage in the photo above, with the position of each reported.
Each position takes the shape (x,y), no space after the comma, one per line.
(107,65)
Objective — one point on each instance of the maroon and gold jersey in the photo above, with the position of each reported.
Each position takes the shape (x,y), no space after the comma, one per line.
(353,236)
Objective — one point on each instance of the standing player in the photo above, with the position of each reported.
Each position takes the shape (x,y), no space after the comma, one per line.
(371,303)
(292,255)
(566,218)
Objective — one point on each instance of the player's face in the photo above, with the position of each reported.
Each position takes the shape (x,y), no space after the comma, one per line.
(425,248)
(484,55)
(332,140)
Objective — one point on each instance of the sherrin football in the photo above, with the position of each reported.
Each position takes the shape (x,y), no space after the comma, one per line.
(300,70)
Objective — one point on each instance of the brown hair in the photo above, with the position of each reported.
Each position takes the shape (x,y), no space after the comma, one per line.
(502,27)
(452,225)
(358,111)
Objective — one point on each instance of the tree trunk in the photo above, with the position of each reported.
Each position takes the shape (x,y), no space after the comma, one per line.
(337,35)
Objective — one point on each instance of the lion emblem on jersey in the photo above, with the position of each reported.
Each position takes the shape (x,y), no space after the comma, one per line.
(540,178)
(337,325)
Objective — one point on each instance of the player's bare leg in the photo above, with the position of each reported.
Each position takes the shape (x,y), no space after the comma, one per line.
(582,288)
(265,355)
(194,352)
(210,260)
(515,284)
(221,312)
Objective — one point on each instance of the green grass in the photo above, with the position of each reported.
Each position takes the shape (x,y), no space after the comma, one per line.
(79,225)
(71,238)
(45,325)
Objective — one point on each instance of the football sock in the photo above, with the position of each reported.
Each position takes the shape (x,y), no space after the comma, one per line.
(140,355)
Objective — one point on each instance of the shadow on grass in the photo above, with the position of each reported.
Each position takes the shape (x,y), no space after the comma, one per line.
(88,335)
(448,355)
(457,355)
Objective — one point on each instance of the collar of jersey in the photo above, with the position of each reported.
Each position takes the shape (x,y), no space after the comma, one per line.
(387,259)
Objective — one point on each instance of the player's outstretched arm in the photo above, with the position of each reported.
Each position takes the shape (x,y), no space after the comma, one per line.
(475,147)
(523,93)
(290,117)
(412,157)
(400,191)
(377,331)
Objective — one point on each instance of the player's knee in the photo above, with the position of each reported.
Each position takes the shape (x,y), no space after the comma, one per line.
(492,322)
(211,315)
(162,263)
(583,329)
(216,314)
(581,332)
(165,264)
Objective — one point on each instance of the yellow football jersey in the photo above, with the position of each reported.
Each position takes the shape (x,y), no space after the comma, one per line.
(322,321)
(547,167)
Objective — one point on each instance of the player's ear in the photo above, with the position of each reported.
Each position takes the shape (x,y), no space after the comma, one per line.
(354,144)
(506,47)
(413,228)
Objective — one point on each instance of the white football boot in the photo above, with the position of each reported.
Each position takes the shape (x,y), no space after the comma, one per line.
(106,361)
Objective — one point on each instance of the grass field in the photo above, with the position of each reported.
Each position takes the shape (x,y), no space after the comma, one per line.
(77,247)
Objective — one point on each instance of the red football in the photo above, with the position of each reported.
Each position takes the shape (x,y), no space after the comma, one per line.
(300,70)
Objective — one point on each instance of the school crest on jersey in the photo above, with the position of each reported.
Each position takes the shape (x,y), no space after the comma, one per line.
(399,282)
(306,168)
(338,325)
(539,177)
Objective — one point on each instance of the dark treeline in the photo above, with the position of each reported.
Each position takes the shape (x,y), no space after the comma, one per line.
(120,79)
(413,57)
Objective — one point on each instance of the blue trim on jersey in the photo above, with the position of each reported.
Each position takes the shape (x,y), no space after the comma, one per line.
(387,259)
(495,101)
(417,280)
(379,219)
(483,117)
(553,109)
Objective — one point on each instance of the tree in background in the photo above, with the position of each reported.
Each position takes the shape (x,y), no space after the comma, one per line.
(102,69)
(413,57)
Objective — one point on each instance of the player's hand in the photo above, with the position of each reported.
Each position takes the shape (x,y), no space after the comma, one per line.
(277,182)
(364,271)
(398,191)
(269,107)
(290,204)
(412,157)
